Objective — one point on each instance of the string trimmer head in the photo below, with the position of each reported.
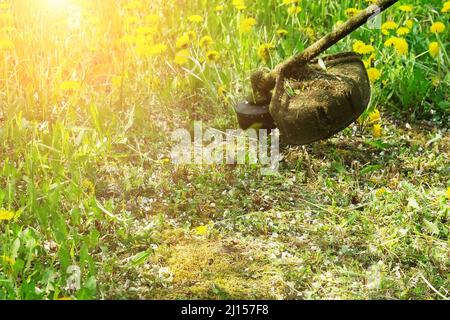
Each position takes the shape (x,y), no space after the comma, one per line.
(309,101)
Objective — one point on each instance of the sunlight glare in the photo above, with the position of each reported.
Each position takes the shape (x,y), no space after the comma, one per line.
(64,8)
(58,4)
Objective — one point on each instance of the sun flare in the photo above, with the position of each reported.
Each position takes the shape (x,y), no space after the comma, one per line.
(57,4)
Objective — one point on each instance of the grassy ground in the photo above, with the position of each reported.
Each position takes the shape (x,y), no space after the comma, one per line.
(91,95)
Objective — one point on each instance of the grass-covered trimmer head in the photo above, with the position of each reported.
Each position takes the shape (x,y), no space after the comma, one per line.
(305,101)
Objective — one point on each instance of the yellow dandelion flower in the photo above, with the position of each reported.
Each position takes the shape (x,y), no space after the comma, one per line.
(447,194)
(435,81)
(310,33)
(400,44)
(375,116)
(371,58)
(6,215)
(406,8)
(351,12)
(152,19)
(367,49)
(387,26)
(434,49)
(6,44)
(191,34)
(221,91)
(377,131)
(206,41)
(294,10)
(70,85)
(141,40)
(239,4)
(380,192)
(182,57)
(437,27)
(264,51)
(409,24)
(374,74)
(446,7)
(183,42)
(195,19)
(246,25)
(143,50)
(403,31)
(212,56)
(282,33)
(362,48)
(117,81)
(145,30)
(358,45)
(88,186)
(152,51)
(6,18)
(8,260)
(201,231)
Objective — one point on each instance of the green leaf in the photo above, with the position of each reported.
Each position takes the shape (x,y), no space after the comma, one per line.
(59,228)
(15,249)
(64,258)
(140,258)
(91,284)
(89,289)
(94,237)
(18,266)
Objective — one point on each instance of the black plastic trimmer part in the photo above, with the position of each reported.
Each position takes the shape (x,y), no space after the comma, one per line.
(254,116)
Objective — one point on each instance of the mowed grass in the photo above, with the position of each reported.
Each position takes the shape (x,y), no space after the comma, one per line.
(91,92)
